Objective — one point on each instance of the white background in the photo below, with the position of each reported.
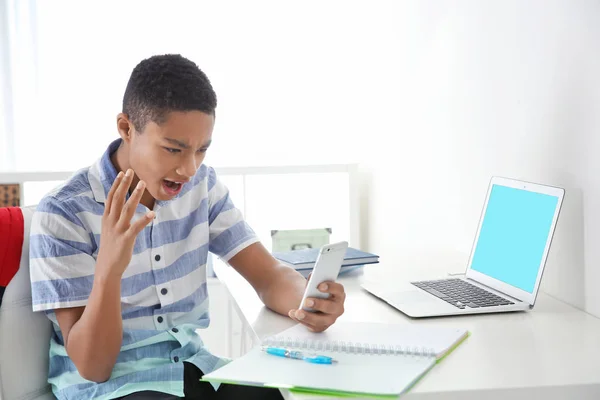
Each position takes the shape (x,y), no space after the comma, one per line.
(431,97)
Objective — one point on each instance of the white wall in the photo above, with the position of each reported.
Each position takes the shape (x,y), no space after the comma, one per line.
(287,75)
(481,88)
(433,97)
(5,92)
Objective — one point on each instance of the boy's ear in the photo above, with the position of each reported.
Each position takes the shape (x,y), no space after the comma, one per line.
(125,127)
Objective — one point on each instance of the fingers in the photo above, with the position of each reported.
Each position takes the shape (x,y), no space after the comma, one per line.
(111,193)
(325,306)
(316,322)
(327,310)
(335,289)
(118,199)
(131,204)
(140,224)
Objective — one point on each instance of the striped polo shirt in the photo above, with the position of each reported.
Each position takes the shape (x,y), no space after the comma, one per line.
(164,299)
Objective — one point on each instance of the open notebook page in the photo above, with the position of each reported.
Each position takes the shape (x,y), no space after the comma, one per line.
(365,374)
(438,339)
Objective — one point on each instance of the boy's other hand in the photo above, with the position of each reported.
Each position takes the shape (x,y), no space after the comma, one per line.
(118,232)
(327,310)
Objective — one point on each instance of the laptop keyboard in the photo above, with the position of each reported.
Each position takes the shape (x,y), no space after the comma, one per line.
(461,294)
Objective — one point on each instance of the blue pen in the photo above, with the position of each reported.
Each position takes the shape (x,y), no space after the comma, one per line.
(297,355)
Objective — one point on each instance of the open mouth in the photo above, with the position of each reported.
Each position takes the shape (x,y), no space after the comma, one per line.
(172,188)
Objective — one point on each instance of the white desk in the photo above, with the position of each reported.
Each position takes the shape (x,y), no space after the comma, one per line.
(552,352)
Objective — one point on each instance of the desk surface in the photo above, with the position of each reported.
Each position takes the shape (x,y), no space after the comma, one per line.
(551,351)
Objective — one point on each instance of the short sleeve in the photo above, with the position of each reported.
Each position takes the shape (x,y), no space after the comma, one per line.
(229,232)
(61,257)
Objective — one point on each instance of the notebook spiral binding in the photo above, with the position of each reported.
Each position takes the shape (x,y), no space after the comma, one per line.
(348,347)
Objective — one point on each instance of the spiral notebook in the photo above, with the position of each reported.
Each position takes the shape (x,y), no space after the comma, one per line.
(375,360)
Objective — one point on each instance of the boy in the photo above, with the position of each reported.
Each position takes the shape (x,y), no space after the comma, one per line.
(118,253)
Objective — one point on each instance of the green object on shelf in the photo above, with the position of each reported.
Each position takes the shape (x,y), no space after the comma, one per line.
(298,239)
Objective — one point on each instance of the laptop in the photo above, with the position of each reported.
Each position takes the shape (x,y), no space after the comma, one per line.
(507,258)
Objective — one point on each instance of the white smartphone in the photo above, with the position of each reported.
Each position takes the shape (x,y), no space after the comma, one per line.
(327,267)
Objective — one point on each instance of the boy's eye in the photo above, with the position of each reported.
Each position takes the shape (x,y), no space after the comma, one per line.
(202,150)
(171,150)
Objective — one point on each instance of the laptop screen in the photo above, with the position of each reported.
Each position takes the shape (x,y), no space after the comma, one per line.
(513,236)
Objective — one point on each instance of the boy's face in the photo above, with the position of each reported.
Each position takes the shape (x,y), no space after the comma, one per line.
(167,156)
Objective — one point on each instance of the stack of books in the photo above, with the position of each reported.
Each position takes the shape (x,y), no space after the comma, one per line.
(304,260)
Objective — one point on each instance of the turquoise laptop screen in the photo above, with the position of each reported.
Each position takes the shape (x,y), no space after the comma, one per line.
(513,236)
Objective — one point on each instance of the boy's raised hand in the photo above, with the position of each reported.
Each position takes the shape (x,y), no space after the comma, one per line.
(118,233)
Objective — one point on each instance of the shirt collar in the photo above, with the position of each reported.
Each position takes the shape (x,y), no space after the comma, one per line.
(103,173)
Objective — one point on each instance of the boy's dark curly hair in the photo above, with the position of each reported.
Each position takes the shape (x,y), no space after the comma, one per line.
(165,83)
